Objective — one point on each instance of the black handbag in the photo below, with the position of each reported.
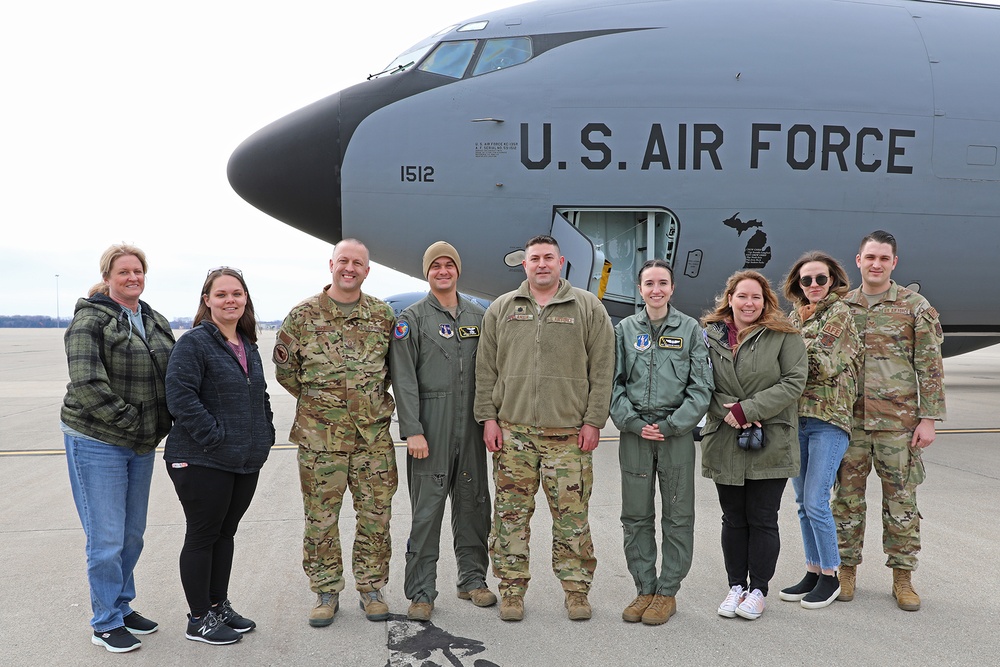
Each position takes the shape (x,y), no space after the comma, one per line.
(751,438)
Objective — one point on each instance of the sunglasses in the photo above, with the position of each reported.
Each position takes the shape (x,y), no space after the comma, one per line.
(231,268)
(821,280)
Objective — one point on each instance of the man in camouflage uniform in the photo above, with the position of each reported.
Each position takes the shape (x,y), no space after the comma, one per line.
(433,355)
(900,395)
(543,391)
(331,354)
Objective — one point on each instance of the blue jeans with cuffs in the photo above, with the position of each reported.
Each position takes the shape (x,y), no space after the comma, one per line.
(821,447)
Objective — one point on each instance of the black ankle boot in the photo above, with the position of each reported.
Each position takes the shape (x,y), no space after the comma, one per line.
(826,591)
(801,589)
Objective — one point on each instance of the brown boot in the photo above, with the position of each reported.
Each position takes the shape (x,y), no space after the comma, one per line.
(633,612)
(902,589)
(420,611)
(511,607)
(660,610)
(577,606)
(481,597)
(848,578)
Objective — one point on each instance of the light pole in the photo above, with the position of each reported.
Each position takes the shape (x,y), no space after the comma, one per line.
(57,301)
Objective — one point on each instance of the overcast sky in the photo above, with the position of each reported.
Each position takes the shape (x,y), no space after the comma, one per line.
(119,119)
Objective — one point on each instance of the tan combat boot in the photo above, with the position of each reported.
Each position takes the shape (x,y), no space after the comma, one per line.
(902,589)
(633,612)
(660,610)
(577,606)
(481,597)
(420,611)
(326,606)
(848,578)
(511,608)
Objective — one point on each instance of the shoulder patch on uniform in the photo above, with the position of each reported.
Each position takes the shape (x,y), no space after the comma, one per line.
(931,312)
(402,330)
(833,329)
(280,355)
(671,343)
(469,331)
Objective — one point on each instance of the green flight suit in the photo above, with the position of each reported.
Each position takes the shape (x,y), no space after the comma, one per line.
(661,377)
(433,357)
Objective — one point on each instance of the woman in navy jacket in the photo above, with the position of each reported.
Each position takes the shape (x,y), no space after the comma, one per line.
(221,436)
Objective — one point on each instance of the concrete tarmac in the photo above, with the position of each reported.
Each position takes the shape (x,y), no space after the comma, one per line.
(45,611)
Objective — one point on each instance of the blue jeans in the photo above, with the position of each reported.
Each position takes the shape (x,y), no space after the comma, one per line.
(821,446)
(111,491)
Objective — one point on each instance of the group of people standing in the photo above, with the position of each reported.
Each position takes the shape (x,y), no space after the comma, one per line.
(847,380)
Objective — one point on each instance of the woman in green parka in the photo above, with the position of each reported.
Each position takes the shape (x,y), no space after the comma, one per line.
(759,366)
(662,387)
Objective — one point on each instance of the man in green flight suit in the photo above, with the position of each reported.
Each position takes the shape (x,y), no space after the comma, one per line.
(433,357)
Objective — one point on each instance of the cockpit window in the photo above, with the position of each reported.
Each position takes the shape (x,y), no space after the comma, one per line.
(450,58)
(405,61)
(502,53)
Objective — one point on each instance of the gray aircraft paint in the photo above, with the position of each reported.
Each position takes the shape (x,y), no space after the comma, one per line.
(811,123)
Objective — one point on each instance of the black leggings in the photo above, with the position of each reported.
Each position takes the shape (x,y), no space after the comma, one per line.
(214,501)
(750,541)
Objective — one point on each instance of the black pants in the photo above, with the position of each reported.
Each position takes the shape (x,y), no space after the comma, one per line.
(214,501)
(750,541)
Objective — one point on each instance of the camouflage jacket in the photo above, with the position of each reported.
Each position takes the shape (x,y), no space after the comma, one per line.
(833,348)
(550,369)
(902,377)
(338,370)
(116,391)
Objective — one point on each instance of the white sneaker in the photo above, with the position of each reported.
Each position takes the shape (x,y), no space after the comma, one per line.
(752,605)
(732,601)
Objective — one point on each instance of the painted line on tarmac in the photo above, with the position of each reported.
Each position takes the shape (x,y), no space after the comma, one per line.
(62,452)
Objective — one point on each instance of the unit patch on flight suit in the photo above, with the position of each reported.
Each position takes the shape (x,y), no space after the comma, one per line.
(470,331)
(671,343)
(642,342)
(401,331)
(446,331)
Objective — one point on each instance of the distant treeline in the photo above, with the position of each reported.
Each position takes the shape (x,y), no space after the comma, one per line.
(46,322)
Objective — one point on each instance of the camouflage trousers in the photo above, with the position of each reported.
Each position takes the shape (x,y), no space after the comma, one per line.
(370,473)
(566,474)
(901,469)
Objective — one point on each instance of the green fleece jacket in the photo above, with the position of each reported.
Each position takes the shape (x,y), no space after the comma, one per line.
(766,376)
(547,369)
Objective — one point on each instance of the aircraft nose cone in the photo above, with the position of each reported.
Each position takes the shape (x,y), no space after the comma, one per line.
(291,169)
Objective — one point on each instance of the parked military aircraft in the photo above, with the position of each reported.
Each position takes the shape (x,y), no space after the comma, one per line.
(718,134)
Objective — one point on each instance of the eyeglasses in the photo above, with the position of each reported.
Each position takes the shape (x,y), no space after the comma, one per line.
(821,280)
(226,268)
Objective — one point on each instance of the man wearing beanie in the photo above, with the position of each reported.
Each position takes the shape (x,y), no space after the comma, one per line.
(433,357)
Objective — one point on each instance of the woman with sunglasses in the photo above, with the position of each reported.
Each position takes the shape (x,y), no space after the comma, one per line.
(222,434)
(816,285)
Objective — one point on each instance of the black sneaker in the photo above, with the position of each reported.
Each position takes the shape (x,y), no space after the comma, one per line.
(232,618)
(118,640)
(799,590)
(211,630)
(138,624)
(826,591)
